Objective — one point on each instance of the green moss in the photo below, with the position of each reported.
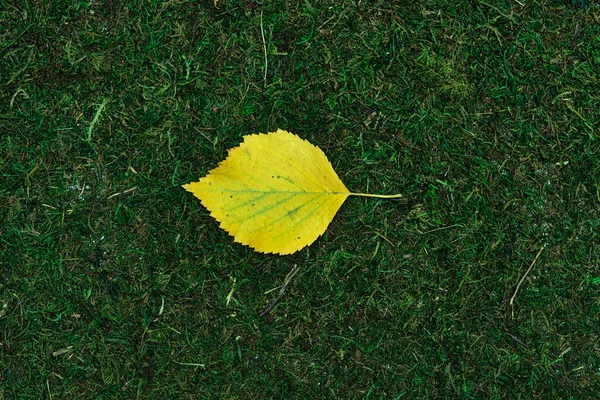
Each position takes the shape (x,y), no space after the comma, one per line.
(116,283)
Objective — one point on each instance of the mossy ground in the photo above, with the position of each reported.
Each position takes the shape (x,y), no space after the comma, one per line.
(116,283)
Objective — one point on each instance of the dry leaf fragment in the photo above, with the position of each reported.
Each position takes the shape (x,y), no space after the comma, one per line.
(276,192)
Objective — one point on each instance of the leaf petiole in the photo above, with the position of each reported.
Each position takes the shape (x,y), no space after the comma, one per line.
(379,196)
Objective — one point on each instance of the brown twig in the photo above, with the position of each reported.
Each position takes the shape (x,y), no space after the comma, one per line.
(262,34)
(513,337)
(512,299)
(286,282)
(575,36)
(120,193)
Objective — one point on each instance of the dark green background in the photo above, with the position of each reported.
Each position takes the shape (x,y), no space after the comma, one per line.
(117,284)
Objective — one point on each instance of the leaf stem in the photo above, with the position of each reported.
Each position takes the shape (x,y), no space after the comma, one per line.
(379,196)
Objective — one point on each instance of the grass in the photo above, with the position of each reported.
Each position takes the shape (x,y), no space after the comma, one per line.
(116,283)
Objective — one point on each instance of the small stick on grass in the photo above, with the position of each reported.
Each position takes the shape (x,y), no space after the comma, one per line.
(120,193)
(513,337)
(286,282)
(575,36)
(512,299)
(262,34)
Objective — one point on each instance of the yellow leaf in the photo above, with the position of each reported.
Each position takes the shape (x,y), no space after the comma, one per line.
(276,192)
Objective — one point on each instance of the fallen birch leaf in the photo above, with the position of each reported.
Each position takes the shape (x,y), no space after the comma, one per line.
(276,192)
